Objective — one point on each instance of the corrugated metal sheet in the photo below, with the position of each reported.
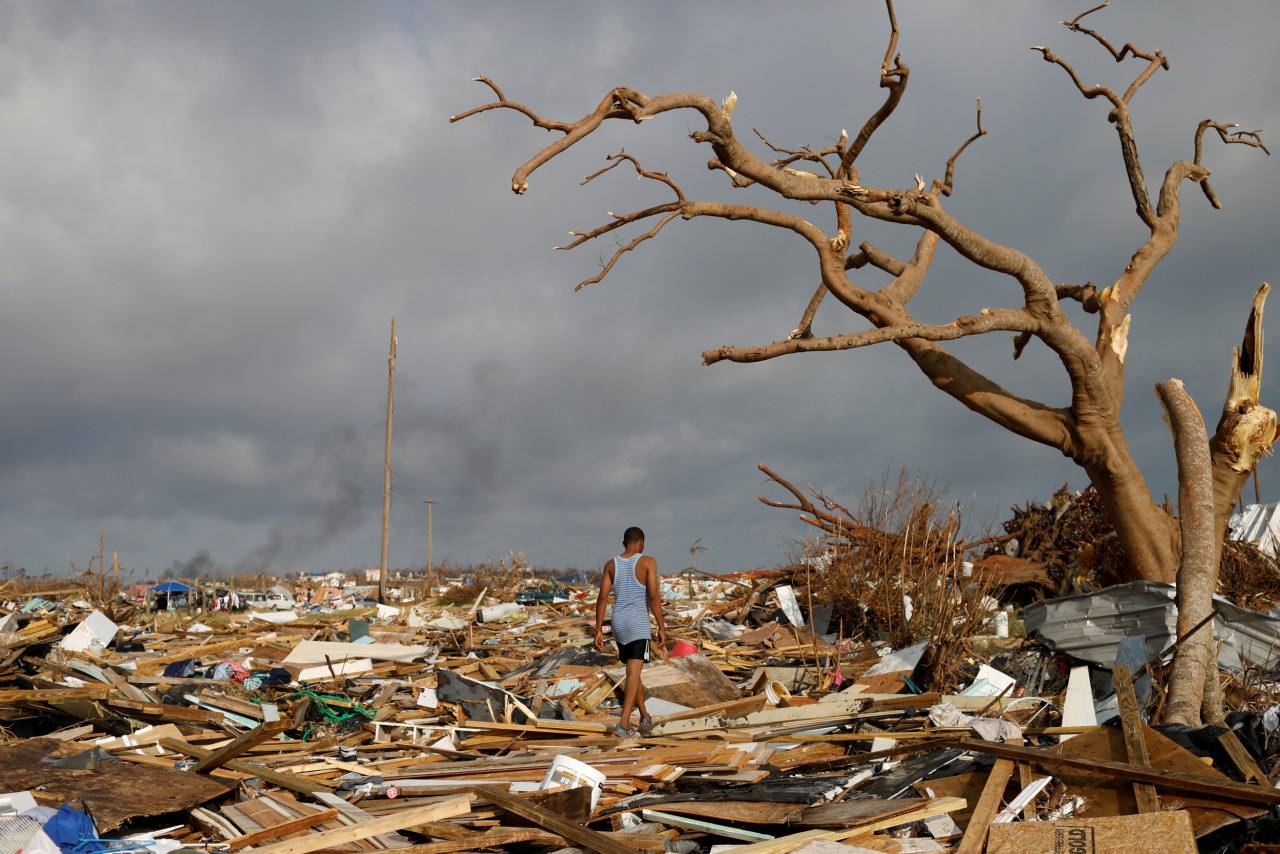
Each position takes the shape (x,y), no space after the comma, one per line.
(1090,626)
(1258,524)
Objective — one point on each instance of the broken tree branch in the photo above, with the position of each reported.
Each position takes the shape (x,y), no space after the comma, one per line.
(1198,571)
(1016,319)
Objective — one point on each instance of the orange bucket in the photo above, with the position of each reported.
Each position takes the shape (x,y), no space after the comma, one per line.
(683,647)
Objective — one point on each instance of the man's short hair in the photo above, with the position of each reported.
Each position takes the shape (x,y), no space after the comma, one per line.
(632,535)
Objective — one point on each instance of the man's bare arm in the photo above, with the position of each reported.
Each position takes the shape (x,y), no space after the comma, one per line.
(655,597)
(606,583)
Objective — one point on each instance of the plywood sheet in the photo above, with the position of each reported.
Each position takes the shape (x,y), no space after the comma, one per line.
(115,792)
(1148,833)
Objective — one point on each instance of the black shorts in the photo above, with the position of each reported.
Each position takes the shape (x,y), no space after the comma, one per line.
(637,649)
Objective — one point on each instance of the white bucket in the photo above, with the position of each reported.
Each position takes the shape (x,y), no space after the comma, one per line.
(777,693)
(494,613)
(570,773)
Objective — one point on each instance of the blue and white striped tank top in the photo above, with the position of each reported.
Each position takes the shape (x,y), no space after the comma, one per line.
(630,617)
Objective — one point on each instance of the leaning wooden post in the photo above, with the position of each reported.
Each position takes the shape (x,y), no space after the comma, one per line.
(386,474)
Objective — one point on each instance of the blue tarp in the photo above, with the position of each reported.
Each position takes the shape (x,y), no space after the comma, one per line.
(73,831)
(169,587)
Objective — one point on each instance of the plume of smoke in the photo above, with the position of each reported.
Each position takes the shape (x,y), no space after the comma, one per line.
(306,534)
(195,567)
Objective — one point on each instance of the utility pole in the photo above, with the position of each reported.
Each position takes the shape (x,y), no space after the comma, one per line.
(429,504)
(386,475)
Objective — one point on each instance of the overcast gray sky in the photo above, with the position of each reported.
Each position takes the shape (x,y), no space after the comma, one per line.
(210,212)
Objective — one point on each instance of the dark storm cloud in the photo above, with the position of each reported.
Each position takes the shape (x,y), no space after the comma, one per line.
(210,212)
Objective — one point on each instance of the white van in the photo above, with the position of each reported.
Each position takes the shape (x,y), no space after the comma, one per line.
(270,600)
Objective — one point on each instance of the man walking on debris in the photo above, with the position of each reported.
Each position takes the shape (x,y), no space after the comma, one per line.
(633,577)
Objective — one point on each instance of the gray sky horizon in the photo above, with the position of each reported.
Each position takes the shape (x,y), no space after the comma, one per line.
(211,212)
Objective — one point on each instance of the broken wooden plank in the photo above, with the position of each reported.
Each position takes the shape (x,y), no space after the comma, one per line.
(475,841)
(164,711)
(937,806)
(448,807)
(126,688)
(146,737)
(748,812)
(193,651)
(575,834)
(698,826)
(180,680)
(277,778)
(355,815)
(542,727)
(1224,790)
(1242,758)
(740,706)
(218,701)
(975,835)
(785,844)
(445,830)
(283,829)
(835,710)
(1135,745)
(858,813)
(241,743)
(14,696)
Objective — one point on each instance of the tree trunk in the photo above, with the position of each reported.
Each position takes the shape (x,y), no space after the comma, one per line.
(1212,710)
(1245,433)
(1146,532)
(1198,572)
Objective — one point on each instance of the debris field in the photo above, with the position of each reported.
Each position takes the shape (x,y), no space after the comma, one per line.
(486,725)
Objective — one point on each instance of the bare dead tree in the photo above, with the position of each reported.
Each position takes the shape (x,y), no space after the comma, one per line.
(1086,430)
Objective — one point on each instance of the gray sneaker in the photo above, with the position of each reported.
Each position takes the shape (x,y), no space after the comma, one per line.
(625,731)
